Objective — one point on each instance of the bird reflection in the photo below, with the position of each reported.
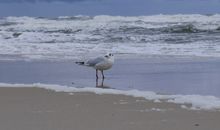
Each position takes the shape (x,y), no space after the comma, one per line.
(100,84)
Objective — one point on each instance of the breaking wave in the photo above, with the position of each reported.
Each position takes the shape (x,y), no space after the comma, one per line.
(193,35)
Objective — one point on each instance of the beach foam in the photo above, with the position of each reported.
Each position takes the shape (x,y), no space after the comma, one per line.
(195,102)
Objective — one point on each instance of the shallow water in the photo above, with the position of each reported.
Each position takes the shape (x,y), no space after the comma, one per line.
(166,75)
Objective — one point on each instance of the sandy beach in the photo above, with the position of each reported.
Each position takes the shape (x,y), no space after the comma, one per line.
(35,108)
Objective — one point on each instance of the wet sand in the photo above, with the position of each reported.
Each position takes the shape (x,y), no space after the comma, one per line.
(40,109)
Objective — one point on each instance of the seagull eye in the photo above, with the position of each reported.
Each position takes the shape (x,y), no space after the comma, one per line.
(106,56)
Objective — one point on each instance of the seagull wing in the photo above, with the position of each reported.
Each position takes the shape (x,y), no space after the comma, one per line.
(93,62)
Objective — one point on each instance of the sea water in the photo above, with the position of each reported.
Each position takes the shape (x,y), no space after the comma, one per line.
(171,57)
(76,37)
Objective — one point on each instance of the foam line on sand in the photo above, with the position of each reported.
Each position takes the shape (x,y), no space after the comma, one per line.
(196,102)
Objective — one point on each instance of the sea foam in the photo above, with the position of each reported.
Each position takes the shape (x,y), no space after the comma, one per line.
(196,102)
(58,38)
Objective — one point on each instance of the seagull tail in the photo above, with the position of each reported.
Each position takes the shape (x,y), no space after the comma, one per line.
(80,63)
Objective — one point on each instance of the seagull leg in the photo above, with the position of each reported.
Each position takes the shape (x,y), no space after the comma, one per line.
(102,74)
(97,74)
(97,82)
(103,82)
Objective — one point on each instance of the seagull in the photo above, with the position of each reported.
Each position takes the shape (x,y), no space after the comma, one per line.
(100,63)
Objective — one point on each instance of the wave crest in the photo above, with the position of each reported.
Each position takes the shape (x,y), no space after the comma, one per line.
(149,35)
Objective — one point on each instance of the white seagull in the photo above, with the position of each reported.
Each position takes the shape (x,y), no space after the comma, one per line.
(100,63)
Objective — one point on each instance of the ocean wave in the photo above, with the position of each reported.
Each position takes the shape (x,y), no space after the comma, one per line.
(65,31)
(188,28)
(7,23)
(117,24)
(196,35)
(195,102)
(78,17)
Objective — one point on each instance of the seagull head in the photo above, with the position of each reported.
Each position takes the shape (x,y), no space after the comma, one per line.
(109,55)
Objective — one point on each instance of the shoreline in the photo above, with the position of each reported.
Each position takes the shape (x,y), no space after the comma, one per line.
(77,104)
(166,75)
(189,102)
(37,108)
